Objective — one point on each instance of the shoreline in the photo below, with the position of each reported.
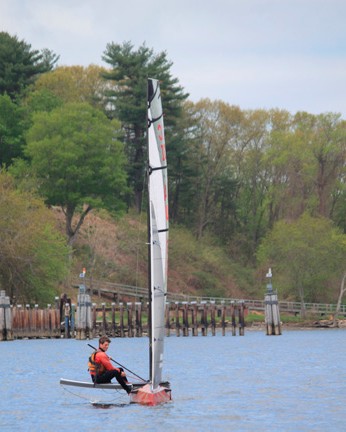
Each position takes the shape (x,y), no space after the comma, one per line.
(304,325)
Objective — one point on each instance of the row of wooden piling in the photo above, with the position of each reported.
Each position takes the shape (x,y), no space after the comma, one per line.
(118,320)
(24,321)
(181,317)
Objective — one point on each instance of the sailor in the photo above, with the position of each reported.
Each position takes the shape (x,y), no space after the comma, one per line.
(101,369)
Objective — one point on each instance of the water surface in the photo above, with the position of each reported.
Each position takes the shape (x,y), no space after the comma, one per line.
(292,382)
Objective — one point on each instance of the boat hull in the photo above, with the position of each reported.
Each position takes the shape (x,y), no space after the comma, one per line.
(146,396)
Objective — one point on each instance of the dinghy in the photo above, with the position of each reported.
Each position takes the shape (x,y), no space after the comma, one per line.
(153,391)
(156,392)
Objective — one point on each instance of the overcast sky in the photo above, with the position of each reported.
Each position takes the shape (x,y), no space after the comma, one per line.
(287,54)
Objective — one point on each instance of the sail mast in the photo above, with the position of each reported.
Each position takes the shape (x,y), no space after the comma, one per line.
(149,95)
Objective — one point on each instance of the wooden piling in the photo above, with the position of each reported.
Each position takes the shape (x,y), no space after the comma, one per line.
(121,319)
(241,319)
(114,324)
(212,319)
(272,314)
(204,319)
(168,319)
(104,326)
(194,320)
(233,318)
(6,333)
(130,319)
(139,328)
(177,321)
(83,316)
(223,318)
(185,319)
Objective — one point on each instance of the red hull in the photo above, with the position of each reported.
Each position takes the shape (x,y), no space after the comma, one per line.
(146,396)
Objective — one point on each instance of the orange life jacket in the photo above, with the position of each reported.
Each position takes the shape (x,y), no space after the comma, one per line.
(94,367)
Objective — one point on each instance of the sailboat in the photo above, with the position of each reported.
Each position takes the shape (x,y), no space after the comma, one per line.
(154,391)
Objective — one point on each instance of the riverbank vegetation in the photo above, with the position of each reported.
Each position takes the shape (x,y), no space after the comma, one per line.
(248,190)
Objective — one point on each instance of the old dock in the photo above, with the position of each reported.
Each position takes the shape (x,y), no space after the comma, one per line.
(123,319)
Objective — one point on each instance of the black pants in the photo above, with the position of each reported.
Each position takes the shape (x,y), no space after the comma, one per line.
(107,376)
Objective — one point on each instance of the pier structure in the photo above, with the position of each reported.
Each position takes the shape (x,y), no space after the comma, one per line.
(125,319)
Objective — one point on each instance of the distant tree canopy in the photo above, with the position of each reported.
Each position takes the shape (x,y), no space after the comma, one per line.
(307,255)
(245,170)
(130,71)
(20,64)
(34,256)
(76,84)
(75,153)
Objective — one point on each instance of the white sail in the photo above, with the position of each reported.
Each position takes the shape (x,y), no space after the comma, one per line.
(158,228)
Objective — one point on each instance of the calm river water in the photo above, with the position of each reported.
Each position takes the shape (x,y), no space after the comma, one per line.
(293,382)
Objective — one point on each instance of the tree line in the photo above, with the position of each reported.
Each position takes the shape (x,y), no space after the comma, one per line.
(268,185)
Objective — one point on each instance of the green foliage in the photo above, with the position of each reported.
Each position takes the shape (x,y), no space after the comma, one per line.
(130,71)
(34,256)
(76,84)
(20,65)
(305,255)
(76,156)
(13,125)
(42,100)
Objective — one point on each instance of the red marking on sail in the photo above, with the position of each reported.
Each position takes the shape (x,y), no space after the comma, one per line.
(163,152)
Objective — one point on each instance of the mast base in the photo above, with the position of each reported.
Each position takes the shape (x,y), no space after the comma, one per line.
(147,396)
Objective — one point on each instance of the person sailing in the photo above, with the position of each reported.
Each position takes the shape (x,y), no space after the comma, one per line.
(101,369)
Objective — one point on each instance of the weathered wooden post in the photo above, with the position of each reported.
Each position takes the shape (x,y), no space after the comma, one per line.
(233,318)
(39,321)
(138,319)
(94,319)
(73,319)
(114,325)
(223,318)
(272,313)
(83,314)
(104,326)
(177,322)
(130,319)
(185,319)
(204,319)
(212,318)
(241,319)
(6,333)
(36,320)
(27,321)
(121,319)
(50,320)
(168,319)
(194,323)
